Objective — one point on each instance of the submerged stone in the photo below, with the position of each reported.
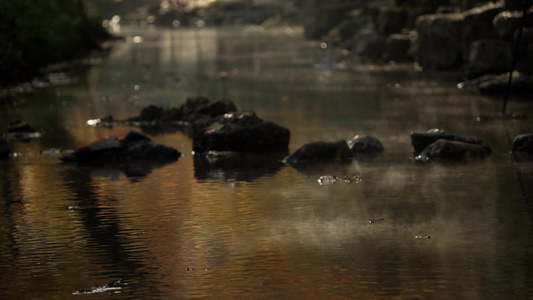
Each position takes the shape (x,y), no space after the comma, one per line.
(320,151)
(523,147)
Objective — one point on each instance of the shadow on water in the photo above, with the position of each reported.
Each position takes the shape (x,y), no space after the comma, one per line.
(103,229)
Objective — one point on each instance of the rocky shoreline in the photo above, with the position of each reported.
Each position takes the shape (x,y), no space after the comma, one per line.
(474,38)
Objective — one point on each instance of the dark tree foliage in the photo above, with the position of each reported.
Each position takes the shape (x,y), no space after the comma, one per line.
(34,34)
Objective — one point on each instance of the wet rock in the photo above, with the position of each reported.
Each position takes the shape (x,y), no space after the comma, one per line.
(320,151)
(349,27)
(134,147)
(213,109)
(398,46)
(4,149)
(514,5)
(389,20)
(489,57)
(239,132)
(365,144)
(524,63)
(323,16)
(491,84)
(523,147)
(368,43)
(452,150)
(477,25)
(20,126)
(20,130)
(193,109)
(422,140)
(438,44)
(507,22)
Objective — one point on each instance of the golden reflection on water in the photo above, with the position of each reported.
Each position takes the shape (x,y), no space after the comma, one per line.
(271,233)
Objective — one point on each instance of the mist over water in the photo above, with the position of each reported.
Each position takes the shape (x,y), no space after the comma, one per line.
(188,230)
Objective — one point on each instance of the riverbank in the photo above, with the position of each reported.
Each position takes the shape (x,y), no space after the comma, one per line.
(37,36)
(471,38)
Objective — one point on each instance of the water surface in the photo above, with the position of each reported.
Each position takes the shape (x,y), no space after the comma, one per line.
(263,231)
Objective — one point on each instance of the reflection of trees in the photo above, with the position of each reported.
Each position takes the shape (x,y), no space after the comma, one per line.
(103,228)
(9,188)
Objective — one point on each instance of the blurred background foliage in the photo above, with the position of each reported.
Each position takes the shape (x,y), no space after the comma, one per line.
(34,34)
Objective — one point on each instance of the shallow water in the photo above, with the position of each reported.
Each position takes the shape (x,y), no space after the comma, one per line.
(254,229)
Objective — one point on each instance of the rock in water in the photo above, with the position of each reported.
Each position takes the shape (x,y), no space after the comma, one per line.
(239,132)
(523,147)
(444,149)
(134,147)
(365,144)
(420,140)
(320,151)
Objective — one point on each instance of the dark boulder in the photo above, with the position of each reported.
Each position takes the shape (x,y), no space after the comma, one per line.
(477,25)
(489,56)
(350,26)
(438,44)
(134,147)
(421,140)
(523,146)
(398,46)
(453,150)
(390,19)
(321,16)
(365,144)
(213,109)
(524,63)
(369,44)
(20,126)
(239,132)
(20,130)
(506,23)
(4,149)
(193,109)
(320,151)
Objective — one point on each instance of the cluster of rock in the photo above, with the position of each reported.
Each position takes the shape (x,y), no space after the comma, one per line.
(477,37)
(235,12)
(436,144)
(433,145)
(218,126)
(133,147)
(335,151)
(221,134)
